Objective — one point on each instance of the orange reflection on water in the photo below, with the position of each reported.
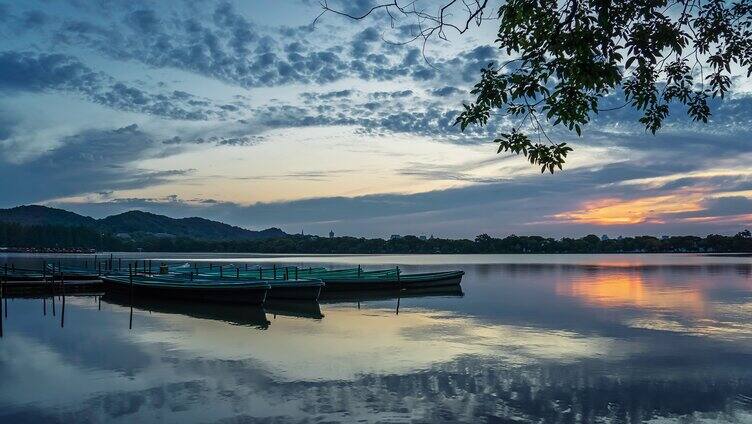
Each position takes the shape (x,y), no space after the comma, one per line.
(631,289)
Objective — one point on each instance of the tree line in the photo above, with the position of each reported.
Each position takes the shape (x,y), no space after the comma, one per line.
(17,236)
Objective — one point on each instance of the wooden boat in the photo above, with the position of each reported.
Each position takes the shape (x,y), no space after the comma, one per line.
(387,281)
(207,290)
(71,273)
(307,289)
(345,279)
(8,273)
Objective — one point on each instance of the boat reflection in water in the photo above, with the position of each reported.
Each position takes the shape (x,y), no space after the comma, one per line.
(233,313)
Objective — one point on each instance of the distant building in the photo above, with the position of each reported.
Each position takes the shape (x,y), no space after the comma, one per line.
(604,237)
(331,233)
(664,237)
(395,237)
(620,238)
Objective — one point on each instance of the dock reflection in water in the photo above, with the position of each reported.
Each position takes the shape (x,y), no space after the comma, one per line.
(540,343)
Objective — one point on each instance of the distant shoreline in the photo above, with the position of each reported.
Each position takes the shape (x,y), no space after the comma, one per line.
(75,252)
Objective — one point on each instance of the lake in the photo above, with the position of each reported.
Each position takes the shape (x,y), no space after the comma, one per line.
(531,338)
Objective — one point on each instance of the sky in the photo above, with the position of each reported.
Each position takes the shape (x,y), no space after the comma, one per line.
(246,113)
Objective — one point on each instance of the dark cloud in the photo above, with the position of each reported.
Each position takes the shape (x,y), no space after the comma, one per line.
(726,206)
(447,91)
(26,71)
(33,19)
(145,21)
(91,161)
(230,48)
(246,140)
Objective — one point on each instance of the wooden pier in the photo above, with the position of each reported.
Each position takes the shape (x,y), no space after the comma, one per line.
(30,287)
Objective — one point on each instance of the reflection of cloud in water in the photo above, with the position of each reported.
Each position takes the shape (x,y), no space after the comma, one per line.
(632,289)
(352,342)
(360,365)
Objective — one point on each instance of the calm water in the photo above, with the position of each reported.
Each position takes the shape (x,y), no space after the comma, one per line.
(576,338)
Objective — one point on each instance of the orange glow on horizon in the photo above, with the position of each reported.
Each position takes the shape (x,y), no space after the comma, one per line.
(637,211)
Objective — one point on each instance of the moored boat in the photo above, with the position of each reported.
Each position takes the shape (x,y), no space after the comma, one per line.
(207,290)
(347,279)
(307,289)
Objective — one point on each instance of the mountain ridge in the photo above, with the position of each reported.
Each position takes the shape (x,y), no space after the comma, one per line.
(136,222)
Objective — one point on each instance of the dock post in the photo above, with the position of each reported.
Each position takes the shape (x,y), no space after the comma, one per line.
(275,271)
(120,263)
(62,313)
(237,270)
(286,274)
(191,276)
(261,274)
(112,259)
(220,271)
(62,286)
(398,278)
(296,272)
(44,306)
(99,268)
(2,281)
(211,266)
(246,267)
(149,266)
(44,271)
(130,280)
(358,271)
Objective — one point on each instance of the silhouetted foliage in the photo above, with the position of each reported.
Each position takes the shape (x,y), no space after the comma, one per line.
(51,236)
(567,56)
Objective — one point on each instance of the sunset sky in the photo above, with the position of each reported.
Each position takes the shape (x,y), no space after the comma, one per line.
(245,113)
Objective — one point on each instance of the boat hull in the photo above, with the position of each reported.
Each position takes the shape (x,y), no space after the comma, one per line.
(293,292)
(444,280)
(244,295)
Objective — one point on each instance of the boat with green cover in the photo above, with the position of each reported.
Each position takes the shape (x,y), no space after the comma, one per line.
(307,289)
(342,279)
(207,290)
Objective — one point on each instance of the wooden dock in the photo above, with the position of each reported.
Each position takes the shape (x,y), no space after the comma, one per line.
(27,287)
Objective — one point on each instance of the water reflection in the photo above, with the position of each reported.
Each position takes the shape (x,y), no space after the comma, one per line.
(554,344)
(633,289)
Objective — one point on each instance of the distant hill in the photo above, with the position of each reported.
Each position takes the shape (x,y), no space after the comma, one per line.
(199,228)
(42,215)
(136,223)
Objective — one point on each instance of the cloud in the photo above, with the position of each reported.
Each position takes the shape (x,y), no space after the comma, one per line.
(447,91)
(90,161)
(26,71)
